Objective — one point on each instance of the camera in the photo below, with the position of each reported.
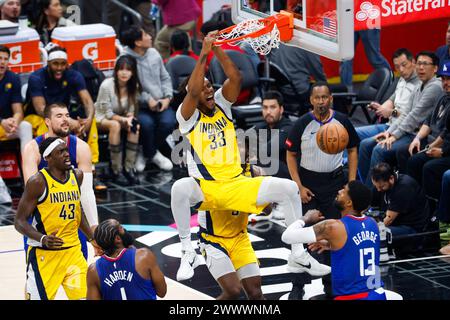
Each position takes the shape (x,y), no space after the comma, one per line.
(134,125)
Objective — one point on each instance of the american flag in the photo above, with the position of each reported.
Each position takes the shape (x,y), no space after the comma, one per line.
(329,27)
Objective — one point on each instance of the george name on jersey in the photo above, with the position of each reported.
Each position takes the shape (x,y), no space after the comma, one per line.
(217,126)
(118,275)
(64,196)
(364,236)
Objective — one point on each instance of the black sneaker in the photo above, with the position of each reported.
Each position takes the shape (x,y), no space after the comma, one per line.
(120,179)
(131,176)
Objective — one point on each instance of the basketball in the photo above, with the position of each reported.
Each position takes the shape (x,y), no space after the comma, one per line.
(332,138)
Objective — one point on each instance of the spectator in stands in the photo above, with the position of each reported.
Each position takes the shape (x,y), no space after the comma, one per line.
(428,167)
(177,15)
(402,198)
(443,52)
(56,83)
(371,41)
(156,119)
(50,17)
(10,10)
(423,100)
(300,66)
(116,111)
(114,14)
(444,209)
(398,104)
(272,111)
(11,112)
(180,45)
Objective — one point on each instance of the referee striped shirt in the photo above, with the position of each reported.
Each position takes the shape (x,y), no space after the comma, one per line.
(302,140)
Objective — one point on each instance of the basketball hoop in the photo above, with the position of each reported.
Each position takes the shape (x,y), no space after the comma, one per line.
(262,34)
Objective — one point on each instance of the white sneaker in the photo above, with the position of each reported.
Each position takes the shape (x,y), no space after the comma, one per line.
(189,261)
(277,214)
(252,218)
(140,161)
(306,263)
(162,162)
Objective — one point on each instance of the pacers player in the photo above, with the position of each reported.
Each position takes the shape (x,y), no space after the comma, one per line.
(354,241)
(228,252)
(214,164)
(56,117)
(52,198)
(123,272)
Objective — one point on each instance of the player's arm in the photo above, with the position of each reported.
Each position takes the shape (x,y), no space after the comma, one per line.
(34,189)
(39,105)
(93,284)
(30,160)
(232,86)
(196,81)
(390,217)
(352,163)
(88,104)
(84,162)
(17,110)
(146,258)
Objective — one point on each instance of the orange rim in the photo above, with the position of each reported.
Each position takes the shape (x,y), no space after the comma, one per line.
(283,20)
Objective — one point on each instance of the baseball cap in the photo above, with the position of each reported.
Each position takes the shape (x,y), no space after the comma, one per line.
(445,69)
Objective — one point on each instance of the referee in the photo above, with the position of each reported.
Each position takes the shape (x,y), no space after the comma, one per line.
(320,176)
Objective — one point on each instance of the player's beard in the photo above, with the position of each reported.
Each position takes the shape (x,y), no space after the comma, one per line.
(127,238)
(61,133)
(338,205)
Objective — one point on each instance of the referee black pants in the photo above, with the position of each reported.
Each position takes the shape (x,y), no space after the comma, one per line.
(325,187)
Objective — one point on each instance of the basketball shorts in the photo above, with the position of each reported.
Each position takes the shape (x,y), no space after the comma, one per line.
(39,128)
(237,194)
(226,255)
(378,294)
(47,270)
(3,134)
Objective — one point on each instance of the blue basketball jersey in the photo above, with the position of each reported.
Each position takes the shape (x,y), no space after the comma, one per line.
(355,267)
(119,279)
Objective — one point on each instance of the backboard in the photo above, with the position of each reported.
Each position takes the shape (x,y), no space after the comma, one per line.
(323,27)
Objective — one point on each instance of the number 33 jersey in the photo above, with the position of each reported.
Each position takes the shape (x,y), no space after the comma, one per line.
(355,267)
(59,209)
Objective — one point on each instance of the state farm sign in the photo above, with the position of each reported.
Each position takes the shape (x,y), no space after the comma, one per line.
(380,13)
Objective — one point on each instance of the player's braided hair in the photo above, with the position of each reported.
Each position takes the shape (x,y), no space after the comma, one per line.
(105,234)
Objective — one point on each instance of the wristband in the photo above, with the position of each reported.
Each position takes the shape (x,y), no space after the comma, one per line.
(42,238)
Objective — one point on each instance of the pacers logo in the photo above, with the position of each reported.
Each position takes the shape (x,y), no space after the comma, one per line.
(90,51)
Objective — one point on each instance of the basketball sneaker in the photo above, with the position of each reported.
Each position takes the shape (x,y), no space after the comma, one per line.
(189,261)
(162,162)
(304,262)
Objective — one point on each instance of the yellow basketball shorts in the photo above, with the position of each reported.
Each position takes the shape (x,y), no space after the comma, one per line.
(39,128)
(47,270)
(217,251)
(237,194)
(3,134)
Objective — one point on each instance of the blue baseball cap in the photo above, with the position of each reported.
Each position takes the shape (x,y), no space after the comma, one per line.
(445,69)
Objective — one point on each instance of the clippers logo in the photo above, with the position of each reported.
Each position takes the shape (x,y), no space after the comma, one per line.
(90,51)
(368,11)
(16,55)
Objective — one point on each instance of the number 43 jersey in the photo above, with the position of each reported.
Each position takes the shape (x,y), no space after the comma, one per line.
(59,209)
(355,267)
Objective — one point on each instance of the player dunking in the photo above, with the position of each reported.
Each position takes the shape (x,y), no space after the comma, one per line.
(52,198)
(214,165)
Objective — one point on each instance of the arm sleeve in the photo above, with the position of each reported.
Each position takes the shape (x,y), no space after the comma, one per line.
(294,138)
(186,125)
(103,104)
(35,87)
(78,82)
(166,81)
(295,233)
(353,138)
(88,199)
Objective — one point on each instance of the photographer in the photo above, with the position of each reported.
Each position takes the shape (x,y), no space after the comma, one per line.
(116,110)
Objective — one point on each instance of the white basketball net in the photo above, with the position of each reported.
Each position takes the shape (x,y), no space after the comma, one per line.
(262,44)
